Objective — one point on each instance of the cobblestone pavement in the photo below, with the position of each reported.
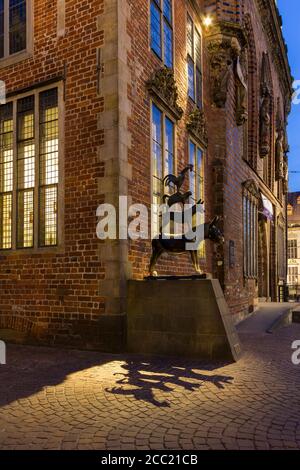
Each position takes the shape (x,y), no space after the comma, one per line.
(56,399)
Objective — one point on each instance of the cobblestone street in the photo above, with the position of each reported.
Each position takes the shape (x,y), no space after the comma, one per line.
(57,399)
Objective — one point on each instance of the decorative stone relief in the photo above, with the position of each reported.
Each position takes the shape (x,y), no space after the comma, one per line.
(197,126)
(285,180)
(251,187)
(242,88)
(163,86)
(265,110)
(221,60)
(279,153)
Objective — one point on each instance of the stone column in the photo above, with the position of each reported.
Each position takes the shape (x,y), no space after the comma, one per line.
(113,154)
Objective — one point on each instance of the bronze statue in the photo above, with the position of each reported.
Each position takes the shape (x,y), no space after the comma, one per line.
(177,198)
(176,245)
(177,181)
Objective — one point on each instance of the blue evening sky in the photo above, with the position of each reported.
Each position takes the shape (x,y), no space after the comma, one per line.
(289,9)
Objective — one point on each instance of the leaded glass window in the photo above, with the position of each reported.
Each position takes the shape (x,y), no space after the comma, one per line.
(163,159)
(29,171)
(161,20)
(250,230)
(194,62)
(196,158)
(13,26)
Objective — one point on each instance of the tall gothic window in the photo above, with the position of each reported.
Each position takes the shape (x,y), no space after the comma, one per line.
(194,62)
(250,223)
(29,171)
(161,19)
(13,26)
(163,158)
(292,249)
(281,253)
(197,175)
(196,158)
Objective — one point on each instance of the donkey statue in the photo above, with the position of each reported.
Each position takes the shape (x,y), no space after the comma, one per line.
(177,246)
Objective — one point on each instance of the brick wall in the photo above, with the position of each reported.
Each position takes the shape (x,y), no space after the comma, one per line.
(77,294)
(57,288)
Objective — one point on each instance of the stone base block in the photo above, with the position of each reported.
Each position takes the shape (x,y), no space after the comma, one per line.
(182,318)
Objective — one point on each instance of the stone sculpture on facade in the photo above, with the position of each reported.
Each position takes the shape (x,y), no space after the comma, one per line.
(279,153)
(197,126)
(265,122)
(220,66)
(285,176)
(163,85)
(242,93)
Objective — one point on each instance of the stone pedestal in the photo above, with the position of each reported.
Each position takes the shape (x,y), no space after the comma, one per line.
(181,318)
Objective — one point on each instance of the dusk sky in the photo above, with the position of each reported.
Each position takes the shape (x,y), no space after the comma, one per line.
(289,10)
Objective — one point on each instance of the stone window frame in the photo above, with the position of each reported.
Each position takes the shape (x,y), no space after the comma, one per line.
(37,249)
(165,114)
(11,59)
(159,5)
(196,29)
(250,198)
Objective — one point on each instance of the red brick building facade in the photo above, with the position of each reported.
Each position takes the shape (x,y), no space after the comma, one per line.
(103,98)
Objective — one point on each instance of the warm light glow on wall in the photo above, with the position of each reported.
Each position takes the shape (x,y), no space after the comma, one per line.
(207,21)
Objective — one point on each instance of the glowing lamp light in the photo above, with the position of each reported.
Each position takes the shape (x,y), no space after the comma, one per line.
(207,21)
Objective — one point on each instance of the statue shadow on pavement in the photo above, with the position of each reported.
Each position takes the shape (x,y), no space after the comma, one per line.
(30,370)
(153,379)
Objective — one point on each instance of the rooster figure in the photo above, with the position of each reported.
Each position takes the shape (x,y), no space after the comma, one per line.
(177,181)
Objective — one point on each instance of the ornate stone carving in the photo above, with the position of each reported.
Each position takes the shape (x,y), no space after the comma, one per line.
(271,23)
(265,122)
(197,126)
(251,187)
(241,89)
(220,63)
(163,86)
(285,176)
(265,110)
(279,153)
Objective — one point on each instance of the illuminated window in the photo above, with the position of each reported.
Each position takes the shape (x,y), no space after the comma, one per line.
(196,158)
(292,249)
(6,175)
(161,18)
(163,162)
(29,171)
(250,223)
(194,62)
(48,168)
(25,171)
(13,26)
(293,275)
(281,253)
